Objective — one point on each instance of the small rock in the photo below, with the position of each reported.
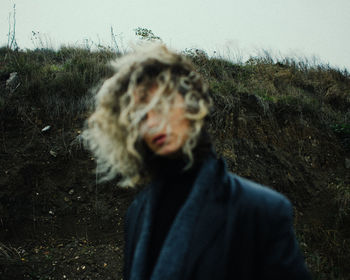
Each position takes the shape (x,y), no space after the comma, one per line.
(53,153)
(347,163)
(46,128)
(12,83)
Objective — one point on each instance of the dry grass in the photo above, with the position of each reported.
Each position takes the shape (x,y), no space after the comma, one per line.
(56,86)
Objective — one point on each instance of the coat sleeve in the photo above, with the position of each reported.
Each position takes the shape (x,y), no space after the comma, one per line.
(126,269)
(282,257)
(131,231)
(130,225)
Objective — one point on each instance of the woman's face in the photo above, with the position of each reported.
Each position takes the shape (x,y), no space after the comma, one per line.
(166,142)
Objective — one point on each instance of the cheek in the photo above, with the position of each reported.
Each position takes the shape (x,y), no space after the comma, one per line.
(148,140)
(185,128)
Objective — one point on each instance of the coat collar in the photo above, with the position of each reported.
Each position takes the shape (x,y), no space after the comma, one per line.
(194,218)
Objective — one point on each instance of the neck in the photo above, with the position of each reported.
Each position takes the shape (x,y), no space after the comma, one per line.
(173,165)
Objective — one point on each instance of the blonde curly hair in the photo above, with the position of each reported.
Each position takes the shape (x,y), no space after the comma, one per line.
(113,132)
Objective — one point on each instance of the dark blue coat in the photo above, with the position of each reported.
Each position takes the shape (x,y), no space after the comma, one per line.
(228,228)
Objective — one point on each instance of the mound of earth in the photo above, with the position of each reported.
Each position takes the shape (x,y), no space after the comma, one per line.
(58,223)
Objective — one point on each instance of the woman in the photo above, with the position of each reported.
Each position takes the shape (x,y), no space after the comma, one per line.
(194,219)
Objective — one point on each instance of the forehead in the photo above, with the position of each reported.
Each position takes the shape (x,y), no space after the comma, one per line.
(153,93)
(144,93)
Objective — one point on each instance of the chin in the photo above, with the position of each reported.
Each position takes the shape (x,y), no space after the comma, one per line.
(168,151)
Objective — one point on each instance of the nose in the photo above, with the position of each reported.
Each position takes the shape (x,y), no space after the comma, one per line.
(152,119)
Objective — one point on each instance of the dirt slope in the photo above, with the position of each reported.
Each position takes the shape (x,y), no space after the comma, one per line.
(57,223)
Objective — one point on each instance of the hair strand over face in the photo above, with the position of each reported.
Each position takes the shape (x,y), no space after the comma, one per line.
(113,132)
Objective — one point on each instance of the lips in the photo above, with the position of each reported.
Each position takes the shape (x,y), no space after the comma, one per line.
(159,139)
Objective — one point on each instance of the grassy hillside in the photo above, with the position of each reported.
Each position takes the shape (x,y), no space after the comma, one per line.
(59,81)
(285,124)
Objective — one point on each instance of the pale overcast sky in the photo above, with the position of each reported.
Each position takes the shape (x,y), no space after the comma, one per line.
(291,27)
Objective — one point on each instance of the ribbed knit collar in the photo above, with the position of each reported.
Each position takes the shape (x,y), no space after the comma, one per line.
(172,167)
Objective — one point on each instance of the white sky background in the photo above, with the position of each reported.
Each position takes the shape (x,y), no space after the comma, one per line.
(319,28)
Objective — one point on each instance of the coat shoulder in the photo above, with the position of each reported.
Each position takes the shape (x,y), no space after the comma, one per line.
(137,203)
(253,196)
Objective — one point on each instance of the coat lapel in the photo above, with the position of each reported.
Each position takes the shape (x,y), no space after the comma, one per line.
(211,219)
(197,216)
(138,269)
(194,218)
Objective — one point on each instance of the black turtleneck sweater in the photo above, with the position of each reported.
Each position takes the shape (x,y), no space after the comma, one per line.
(175,188)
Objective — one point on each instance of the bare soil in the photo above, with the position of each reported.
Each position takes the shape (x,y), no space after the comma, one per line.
(57,223)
